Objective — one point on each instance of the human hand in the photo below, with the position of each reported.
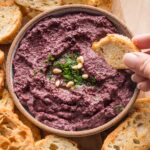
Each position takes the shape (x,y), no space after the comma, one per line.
(139,62)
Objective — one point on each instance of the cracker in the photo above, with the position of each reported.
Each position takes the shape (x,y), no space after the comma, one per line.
(113,47)
(11,19)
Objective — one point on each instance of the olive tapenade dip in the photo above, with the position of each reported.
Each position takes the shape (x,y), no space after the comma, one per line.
(61,81)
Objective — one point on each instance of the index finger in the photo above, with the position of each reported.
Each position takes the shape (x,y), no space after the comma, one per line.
(142,41)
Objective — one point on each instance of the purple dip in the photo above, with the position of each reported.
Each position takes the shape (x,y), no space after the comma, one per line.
(87,106)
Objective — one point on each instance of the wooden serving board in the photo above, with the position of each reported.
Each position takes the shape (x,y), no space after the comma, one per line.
(135,13)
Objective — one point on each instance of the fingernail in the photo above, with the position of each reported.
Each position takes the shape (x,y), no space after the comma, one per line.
(133,78)
(139,86)
(130,60)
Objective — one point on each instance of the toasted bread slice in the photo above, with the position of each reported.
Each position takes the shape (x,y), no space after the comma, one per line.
(40,5)
(113,47)
(132,134)
(35,130)
(17,134)
(11,19)
(52,142)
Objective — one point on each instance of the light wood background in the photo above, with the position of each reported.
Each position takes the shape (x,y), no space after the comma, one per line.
(135,13)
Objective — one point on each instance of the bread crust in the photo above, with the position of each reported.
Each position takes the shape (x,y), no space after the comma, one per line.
(39,5)
(53,141)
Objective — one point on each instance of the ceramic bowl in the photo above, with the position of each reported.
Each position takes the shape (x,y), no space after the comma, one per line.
(9,70)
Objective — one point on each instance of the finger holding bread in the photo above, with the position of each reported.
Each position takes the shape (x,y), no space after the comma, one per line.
(11,21)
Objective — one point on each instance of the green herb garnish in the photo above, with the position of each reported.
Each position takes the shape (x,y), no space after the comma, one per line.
(49,75)
(49,58)
(119,108)
(35,71)
(65,64)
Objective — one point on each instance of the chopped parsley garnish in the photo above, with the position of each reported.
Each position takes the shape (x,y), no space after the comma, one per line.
(119,108)
(49,75)
(35,71)
(65,64)
(49,58)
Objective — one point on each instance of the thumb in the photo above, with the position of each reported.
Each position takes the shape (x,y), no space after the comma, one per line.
(138,62)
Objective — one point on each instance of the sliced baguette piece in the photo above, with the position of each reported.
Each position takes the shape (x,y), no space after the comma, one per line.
(18,135)
(40,5)
(132,134)
(113,47)
(11,19)
(53,142)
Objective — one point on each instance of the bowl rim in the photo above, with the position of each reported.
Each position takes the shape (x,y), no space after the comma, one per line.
(9,77)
